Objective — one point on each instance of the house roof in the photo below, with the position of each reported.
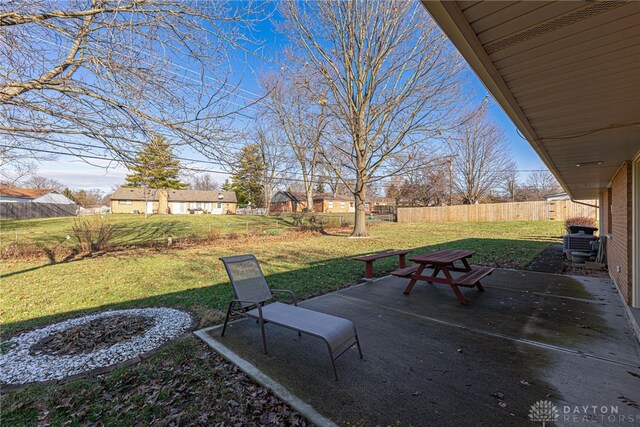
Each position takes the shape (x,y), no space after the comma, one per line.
(296,197)
(24,193)
(566,74)
(128,193)
(549,196)
(330,196)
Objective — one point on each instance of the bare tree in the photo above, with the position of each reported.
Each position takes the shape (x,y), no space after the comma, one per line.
(481,155)
(329,163)
(41,183)
(204,182)
(15,171)
(424,181)
(274,157)
(92,78)
(86,198)
(390,80)
(291,102)
(541,183)
(510,184)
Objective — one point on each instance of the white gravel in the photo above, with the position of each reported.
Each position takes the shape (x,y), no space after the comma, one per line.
(17,366)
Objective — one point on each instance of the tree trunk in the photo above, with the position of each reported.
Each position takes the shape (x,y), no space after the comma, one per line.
(310,201)
(360,225)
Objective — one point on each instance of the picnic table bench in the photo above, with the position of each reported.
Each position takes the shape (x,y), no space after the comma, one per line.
(444,262)
(369,260)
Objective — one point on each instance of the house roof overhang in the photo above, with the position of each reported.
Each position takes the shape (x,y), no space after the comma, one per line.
(566,73)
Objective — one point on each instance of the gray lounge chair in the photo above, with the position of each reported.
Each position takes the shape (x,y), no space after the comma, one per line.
(254,299)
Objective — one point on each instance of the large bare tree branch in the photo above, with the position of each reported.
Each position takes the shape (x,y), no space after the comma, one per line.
(115,71)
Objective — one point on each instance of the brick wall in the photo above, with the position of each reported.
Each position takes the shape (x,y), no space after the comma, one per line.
(619,246)
(605,206)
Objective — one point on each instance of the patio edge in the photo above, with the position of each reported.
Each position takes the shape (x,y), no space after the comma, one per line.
(263,379)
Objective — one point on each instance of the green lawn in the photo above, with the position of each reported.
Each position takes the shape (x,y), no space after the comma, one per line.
(309,263)
(133,229)
(35,293)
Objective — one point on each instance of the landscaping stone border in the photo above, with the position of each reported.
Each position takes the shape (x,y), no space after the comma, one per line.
(18,368)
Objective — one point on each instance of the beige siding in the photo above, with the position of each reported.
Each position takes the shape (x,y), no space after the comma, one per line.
(229,207)
(337,207)
(139,205)
(117,207)
(524,211)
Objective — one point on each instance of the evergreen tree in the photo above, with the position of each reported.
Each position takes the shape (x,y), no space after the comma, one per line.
(248,179)
(69,194)
(155,167)
(319,188)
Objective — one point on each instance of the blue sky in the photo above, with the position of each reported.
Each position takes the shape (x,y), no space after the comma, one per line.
(78,175)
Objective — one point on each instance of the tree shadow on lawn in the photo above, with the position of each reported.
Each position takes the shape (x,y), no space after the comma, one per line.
(318,277)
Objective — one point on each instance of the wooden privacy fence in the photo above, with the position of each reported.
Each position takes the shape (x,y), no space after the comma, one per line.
(516,211)
(36,210)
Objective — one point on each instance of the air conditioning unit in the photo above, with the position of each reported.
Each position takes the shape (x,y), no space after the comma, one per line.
(577,242)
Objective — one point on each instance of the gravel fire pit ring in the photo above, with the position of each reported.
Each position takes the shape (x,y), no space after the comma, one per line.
(19,366)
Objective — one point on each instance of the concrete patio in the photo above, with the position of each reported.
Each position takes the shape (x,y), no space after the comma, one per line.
(430,361)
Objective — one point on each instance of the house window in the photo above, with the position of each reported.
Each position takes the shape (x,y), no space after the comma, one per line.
(341,205)
(350,204)
(125,202)
(331,205)
(219,205)
(205,206)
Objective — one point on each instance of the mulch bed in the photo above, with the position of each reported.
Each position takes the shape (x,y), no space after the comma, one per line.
(92,336)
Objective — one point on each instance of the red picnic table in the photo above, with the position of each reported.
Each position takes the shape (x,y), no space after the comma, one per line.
(443,261)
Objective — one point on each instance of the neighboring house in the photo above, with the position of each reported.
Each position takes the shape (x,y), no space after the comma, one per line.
(339,203)
(375,204)
(23,195)
(141,200)
(287,202)
(556,197)
(581,120)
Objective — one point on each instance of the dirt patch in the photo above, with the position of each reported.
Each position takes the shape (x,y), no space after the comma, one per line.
(553,260)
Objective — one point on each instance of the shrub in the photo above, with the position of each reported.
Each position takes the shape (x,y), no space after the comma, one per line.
(579,220)
(214,234)
(93,234)
(22,250)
